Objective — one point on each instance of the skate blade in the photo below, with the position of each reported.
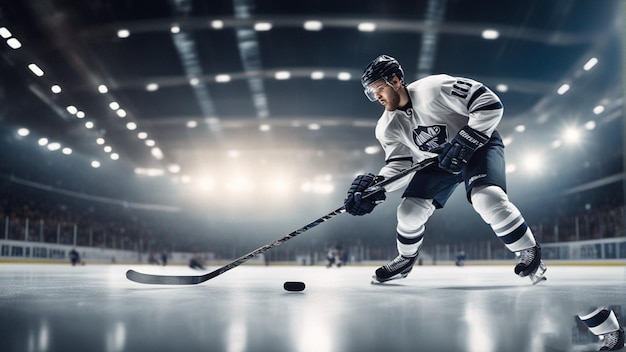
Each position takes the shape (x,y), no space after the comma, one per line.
(539,275)
(378,281)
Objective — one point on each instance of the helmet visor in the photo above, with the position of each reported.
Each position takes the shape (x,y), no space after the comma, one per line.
(375,88)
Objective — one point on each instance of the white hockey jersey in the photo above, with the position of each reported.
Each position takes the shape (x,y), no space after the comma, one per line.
(441,106)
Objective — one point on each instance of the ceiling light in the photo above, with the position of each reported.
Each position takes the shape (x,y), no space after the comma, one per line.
(114,105)
(14,43)
(36,70)
(121,113)
(151,87)
(192,124)
(53,146)
(490,34)
(80,114)
(5,33)
(173,168)
(150,143)
(502,88)
(571,135)
(282,75)
(56,89)
(123,33)
(344,76)
(194,81)
(100,141)
(217,24)
(131,126)
(89,125)
(598,109)
(175,29)
(142,135)
(23,132)
(590,64)
(372,149)
(265,128)
(95,164)
(115,156)
(313,25)
(71,109)
(103,89)
(42,141)
(262,26)
(66,151)
(107,149)
(563,89)
(367,27)
(313,126)
(520,128)
(156,153)
(590,125)
(222,78)
(317,75)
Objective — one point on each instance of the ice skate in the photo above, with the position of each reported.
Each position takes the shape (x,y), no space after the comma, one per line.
(613,341)
(398,268)
(530,264)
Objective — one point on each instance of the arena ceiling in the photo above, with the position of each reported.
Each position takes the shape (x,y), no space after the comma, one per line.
(275,85)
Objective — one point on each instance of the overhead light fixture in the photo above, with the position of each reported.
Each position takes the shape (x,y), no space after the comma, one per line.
(217,24)
(194,81)
(103,89)
(598,109)
(265,128)
(262,26)
(151,87)
(222,78)
(503,88)
(344,76)
(71,109)
(367,27)
(42,141)
(66,151)
(490,34)
(56,89)
(114,105)
(313,25)
(23,132)
(100,141)
(121,113)
(192,124)
(590,64)
(53,146)
(123,33)
(175,29)
(131,126)
(89,125)
(115,156)
(80,114)
(317,75)
(36,70)
(142,135)
(5,33)
(14,43)
(107,149)
(563,89)
(150,142)
(95,164)
(520,128)
(282,75)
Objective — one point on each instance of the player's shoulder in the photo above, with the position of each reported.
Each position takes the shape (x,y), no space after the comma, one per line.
(432,82)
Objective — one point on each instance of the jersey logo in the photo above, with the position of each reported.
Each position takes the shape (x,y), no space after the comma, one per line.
(428,138)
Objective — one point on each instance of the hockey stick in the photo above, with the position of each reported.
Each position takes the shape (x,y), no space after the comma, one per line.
(196,279)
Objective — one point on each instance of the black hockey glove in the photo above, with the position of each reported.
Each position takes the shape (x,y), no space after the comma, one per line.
(457,153)
(355,203)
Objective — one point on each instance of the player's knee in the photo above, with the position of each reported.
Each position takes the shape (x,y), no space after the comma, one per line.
(486,200)
(413,213)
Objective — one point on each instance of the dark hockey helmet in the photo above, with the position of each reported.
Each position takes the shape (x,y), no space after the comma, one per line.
(383,67)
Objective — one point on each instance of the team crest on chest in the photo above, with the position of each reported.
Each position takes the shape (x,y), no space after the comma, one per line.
(428,138)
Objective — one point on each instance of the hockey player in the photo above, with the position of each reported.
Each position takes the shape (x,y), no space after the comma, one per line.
(454,120)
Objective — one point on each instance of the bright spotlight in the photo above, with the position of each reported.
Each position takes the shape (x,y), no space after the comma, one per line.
(571,135)
(533,163)
(23,132)
(95,164)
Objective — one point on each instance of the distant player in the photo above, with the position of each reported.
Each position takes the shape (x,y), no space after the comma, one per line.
(453,119)
(74,257)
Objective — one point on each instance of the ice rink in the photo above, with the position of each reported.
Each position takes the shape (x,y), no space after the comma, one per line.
(437,308)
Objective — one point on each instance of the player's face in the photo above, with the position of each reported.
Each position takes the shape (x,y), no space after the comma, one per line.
(386,93)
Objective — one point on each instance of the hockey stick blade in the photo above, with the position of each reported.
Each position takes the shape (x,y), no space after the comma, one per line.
(154,279)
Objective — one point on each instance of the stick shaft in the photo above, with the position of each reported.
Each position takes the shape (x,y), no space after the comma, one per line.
(191,280)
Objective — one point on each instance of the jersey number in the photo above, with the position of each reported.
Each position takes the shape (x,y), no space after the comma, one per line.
(461,89)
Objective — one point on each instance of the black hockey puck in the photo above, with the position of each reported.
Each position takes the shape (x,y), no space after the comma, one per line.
(293,286)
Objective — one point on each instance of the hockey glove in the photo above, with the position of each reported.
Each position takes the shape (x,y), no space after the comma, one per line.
(355,202)
(457,153)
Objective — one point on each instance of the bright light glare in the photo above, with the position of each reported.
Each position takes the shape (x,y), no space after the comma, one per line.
(217,24)
(89,125)
(173,168)
(115,156)
(563,89)
(571,135)
(100,141)
(71,109)
(80,114)
(56,89)
(372,149)
(5,33)
(317,75)
(23,132)
(95,164)
(175,29)
(121,113)
(590,125)
(222,78)
(520,128)
(265,128)
(262,26)
(533,163)
(282,75)
(142,135)
(344,76)
(317,187)
(157,153)
(42,141)
(598,109)
(150,142)
(66,151)
(131,126)
(502,88)
(279,186)
(114,105)
(103,89)
(108,149)
(151,87)
(192,124)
